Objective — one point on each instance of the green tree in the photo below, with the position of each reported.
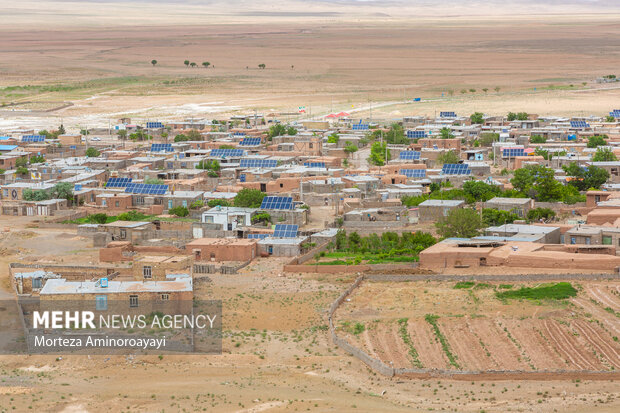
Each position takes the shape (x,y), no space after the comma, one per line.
(377,153)
(460,223)
(92,152)
(540,213)
(350,148)
(61,130)
(448,157)
(100,218)
(218,202)
(537,139)
(153,62)
(597,140)
(186,63)
(63,190)
(179,211)
(479,191)
(446,133)
(537,182)
(604,155)
(276,130)
(262,66)
(153,181)
(511,116)
(181,138)
(492,217)
(291,131)
(193,64)
(249,198)
(206,64)
(477,118)
(487,138)
(523,116)
(586,178)
(333,138)
(610,119)
(211,165)
(37,159)
(21,170)
(122,134)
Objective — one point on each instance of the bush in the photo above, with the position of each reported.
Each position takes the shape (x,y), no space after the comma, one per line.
(92,152)
(132,216)
(262,217)
(179,211)
(98,218)
(249,198)
(559,291)
(218,202)
(540,213)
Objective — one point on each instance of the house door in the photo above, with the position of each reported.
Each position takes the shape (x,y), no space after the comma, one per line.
(270,249)
(29,211)
(263,187)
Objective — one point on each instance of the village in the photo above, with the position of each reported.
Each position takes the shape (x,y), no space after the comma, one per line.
(483,208)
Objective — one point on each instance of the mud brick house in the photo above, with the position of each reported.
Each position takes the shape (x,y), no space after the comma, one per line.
(435,209)
(222,249)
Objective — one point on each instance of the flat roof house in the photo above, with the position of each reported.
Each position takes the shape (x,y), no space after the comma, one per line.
(435,209)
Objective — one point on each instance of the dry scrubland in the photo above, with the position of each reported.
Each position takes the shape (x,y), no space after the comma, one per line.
(323,65)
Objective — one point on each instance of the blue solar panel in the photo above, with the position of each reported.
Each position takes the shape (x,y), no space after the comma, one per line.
(447,115)
(154,125)
(118,182)
(277,202)
(455,169)
(162,147)
(615,113)
(227,153)
(413,173)
(257,236)
(250,142)
(360,126)
(512,152)
(147,189)
(578,124)
(315,164)
(33,138)
(410,155)
(416,134)
(285,231)
(258,163)
(239,134)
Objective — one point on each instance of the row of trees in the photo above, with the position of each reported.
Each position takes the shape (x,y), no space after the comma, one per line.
(206,65)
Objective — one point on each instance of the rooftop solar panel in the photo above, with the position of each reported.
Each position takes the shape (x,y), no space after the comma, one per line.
(360,126)
(413,173)
(118,182)
(162,147)
(285,231)
(315,164)
(258,163)
(154,125)
(578,124)
(415,134)
(147,189)
(33,138)
(615,113)
(512,152)
(277,202)
(250,142)
(447,114)
(257,236)
(455,169)
(227,153)
(410,155)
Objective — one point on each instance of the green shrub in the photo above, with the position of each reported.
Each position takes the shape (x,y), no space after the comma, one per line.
(179,211)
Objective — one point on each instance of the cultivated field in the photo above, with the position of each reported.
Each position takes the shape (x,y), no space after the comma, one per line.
(437,326)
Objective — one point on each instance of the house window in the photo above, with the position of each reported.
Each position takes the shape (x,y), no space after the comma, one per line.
(140,200)
(597,198)
(169,203)
(147,271)
(606,240)
(133,301)
(573,240)
(104,202)
(5,192)
(185,203)
(588,241)
(101,302)
(123,233)
(165,297)
(311,145)
(117,204)
(37,283)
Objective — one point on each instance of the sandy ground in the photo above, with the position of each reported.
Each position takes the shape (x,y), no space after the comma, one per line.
(105,71)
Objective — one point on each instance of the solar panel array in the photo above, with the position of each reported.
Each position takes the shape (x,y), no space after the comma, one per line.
(579,124)
(360,126)
(455,169)
(315,164)
(413,173)
(239,134)
(33,138)
(277,202)
(226,153)
(615,113)
(162,147)
(257,236)
(118,182)
(410,155)
(512,152)
(415,134)
(250,142)
(258,163)
(147,189)
(285,231)
(447,114)
(154,125)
